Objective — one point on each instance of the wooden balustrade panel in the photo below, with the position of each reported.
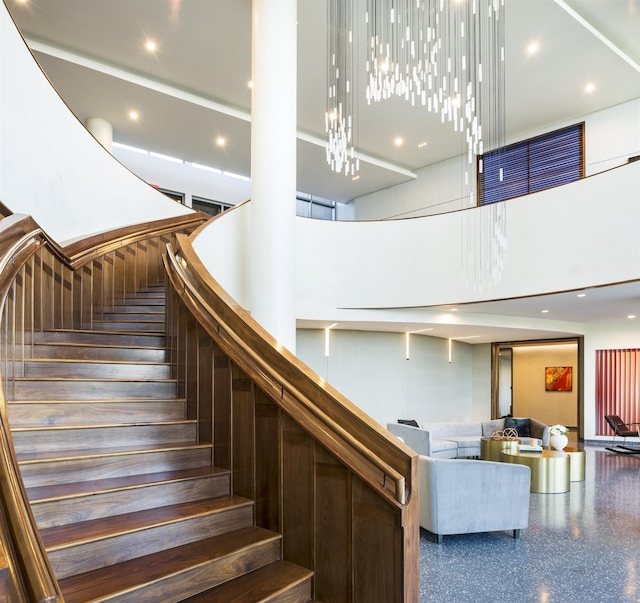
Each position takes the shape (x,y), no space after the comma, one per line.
(97,286)
(298,491)
(242,433)
(107,302)
(204,384)
(377,545)
(44,287)
(29,299)
(130,275)
(333,533)
(181,351)
(221,408)
(268,462)
(155,273)
(192,366)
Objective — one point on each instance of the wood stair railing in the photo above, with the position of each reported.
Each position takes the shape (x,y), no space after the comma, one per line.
(170,465)
(127,501)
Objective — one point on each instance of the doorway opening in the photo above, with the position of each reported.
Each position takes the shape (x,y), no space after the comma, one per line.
(523,386)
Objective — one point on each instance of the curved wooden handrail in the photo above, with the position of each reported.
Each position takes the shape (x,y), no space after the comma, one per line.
(384,463)
(19,236)
(82,251)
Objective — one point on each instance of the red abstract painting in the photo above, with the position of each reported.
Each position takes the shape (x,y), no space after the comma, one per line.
(557,378)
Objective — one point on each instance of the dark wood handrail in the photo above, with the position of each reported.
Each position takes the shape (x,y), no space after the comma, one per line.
(19,236)
(82,251)
(380,460)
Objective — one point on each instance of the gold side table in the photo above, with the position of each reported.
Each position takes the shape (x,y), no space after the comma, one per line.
(490,449)
(550,469)
(577,461)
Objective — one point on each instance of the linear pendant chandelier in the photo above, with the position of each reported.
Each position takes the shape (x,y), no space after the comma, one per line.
(447,55)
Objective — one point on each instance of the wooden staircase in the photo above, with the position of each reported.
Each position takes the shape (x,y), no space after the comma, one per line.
(129,505)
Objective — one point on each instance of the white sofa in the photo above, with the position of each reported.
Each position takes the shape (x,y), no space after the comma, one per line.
(460,439)
(460,496)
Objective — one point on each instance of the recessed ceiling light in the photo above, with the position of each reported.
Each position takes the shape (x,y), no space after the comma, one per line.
(422,144)
(631,316)
(134,115)
(250,84)
(150,45)
(221,141)
(582,295)
(454,309)
(533,48)
(356,178)
(590,87)
(399,141)
(545,311)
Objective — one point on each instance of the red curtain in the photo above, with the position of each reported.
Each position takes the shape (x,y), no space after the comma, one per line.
(617,387)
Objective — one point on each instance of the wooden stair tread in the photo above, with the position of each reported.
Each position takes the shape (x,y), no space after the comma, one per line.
(36,457)
(44,493)
(92,379)
(93,361)
(127,576)
(98,401)
(80,344)
(80,426)
(96,529)
(264,584)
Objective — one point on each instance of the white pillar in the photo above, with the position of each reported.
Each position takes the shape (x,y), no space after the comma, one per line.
(273,168)
(102,131)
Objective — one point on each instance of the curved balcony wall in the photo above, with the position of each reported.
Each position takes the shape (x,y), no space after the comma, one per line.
(38,134)
(580,235)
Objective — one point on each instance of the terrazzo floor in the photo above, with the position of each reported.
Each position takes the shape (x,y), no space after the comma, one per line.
(580,547)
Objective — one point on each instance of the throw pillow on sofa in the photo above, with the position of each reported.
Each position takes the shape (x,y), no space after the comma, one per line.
(410,422)
(523,426)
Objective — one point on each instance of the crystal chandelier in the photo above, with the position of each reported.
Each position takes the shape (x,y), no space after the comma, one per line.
(447,55)
(339,117)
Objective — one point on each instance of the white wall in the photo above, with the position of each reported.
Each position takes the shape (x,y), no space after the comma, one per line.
(371,369)
(51,167)
(530,399)
(611,137)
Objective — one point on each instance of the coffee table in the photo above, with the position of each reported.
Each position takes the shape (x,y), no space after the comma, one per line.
(550,469)
(490,449)
(577,460)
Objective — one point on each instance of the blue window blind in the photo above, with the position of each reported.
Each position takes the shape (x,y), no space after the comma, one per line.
(532,165)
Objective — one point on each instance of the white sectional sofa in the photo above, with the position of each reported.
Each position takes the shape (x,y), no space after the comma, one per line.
(462,439)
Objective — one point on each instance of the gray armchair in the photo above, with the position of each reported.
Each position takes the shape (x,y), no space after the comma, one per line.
(459,496)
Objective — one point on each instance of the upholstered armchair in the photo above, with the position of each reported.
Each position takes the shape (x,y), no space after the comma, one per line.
(459,496)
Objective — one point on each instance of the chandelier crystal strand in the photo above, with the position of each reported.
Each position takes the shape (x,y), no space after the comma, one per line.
(339,118)
(439,53)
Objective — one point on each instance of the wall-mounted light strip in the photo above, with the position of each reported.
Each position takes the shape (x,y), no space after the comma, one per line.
(326,338)
(406,343)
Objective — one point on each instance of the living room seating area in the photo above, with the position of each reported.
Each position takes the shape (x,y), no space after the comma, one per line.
(462,439)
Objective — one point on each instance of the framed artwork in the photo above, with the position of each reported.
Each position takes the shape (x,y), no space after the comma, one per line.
(557,378)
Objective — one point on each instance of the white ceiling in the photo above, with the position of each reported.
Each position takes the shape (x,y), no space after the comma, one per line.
(195,87)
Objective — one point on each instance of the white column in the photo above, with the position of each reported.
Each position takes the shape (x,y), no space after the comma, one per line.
(273,168)
(102,131)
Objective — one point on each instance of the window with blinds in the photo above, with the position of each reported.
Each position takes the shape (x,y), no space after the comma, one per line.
(532,165)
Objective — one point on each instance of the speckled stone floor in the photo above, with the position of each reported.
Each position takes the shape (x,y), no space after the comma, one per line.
(580,547)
